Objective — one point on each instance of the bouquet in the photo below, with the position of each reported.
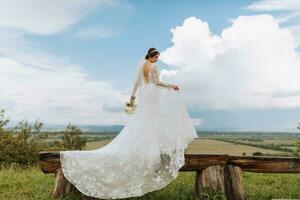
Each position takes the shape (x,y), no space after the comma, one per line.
(130,107)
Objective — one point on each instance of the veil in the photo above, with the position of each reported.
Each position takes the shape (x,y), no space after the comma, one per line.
(138,77)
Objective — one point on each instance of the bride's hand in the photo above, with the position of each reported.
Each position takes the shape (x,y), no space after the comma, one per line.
(132,98)
(175,87)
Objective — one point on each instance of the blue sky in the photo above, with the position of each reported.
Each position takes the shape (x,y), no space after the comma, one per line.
(73,61)
(138,25)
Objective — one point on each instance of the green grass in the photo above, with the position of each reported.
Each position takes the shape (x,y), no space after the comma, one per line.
(266,186)
(32,184)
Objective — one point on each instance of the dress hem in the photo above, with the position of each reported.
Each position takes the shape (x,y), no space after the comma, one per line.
(185,145)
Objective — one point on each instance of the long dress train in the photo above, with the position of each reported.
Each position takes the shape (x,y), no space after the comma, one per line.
(145,156)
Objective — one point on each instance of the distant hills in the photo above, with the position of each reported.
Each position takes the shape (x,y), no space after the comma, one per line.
(118,128)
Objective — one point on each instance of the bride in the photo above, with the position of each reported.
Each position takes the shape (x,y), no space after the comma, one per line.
(148,152)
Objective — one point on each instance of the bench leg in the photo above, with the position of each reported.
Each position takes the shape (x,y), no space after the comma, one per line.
(213,177)
(209,178)
(62,186)
(225,179)
(199,185)
(233,183)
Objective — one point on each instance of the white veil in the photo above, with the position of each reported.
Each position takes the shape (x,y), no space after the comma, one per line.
(138,77)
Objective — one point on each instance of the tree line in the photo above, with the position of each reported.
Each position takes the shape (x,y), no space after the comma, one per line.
(21,144)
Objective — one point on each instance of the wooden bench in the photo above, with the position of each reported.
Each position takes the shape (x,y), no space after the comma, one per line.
(219,172)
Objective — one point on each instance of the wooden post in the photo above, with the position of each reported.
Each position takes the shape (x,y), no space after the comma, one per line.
(213,177)
(224,179)
(199,185)
(233,183)
(62,186)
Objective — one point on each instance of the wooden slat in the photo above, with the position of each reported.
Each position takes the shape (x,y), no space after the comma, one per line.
(266,164)
(50,162)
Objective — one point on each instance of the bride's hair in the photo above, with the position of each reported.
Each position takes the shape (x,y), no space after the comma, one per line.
(151,53)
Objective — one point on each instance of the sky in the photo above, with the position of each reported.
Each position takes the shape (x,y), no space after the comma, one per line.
(237,63)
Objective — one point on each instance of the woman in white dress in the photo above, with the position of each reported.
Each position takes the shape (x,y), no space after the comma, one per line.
(147,153)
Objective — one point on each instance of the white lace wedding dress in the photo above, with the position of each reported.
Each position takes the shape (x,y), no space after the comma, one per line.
(145,156)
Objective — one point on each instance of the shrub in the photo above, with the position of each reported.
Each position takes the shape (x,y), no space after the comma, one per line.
(21,144)
(72,140)
(297,143)
(257,153)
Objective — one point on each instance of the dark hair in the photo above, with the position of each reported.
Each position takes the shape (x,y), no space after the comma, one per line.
(151,53)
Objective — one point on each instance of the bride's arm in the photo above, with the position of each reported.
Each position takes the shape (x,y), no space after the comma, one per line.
(132,97)
(156,78)
(136,83)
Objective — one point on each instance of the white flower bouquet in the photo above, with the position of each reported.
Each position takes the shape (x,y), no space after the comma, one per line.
(130,107)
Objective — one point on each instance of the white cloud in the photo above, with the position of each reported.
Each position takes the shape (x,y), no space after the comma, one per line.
(287,17)
(46,17)
(296,33)
(197,121)
(270,5)
(35,85)
(252,64)
(92,33)
(290,8)
(289,11)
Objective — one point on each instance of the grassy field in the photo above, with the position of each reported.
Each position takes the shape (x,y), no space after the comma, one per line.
(204,145)
(32,184)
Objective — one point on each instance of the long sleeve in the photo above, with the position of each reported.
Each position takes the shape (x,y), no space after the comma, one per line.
(137,80)
(156,77)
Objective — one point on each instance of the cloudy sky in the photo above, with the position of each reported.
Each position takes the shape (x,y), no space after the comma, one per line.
(237,62)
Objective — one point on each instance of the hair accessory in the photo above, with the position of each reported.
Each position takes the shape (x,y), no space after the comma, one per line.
(152,51)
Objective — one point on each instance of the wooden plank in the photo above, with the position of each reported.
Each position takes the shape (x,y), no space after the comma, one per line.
(50,162)
(259,164)
(266,164)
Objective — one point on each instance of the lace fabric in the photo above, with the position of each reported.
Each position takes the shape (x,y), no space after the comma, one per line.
(139,80)
(145,156)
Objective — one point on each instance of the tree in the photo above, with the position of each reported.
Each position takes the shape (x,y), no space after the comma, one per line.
(71,139)
(3,120)
(298,142)
(25,130)
(257,153)
(21,144)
